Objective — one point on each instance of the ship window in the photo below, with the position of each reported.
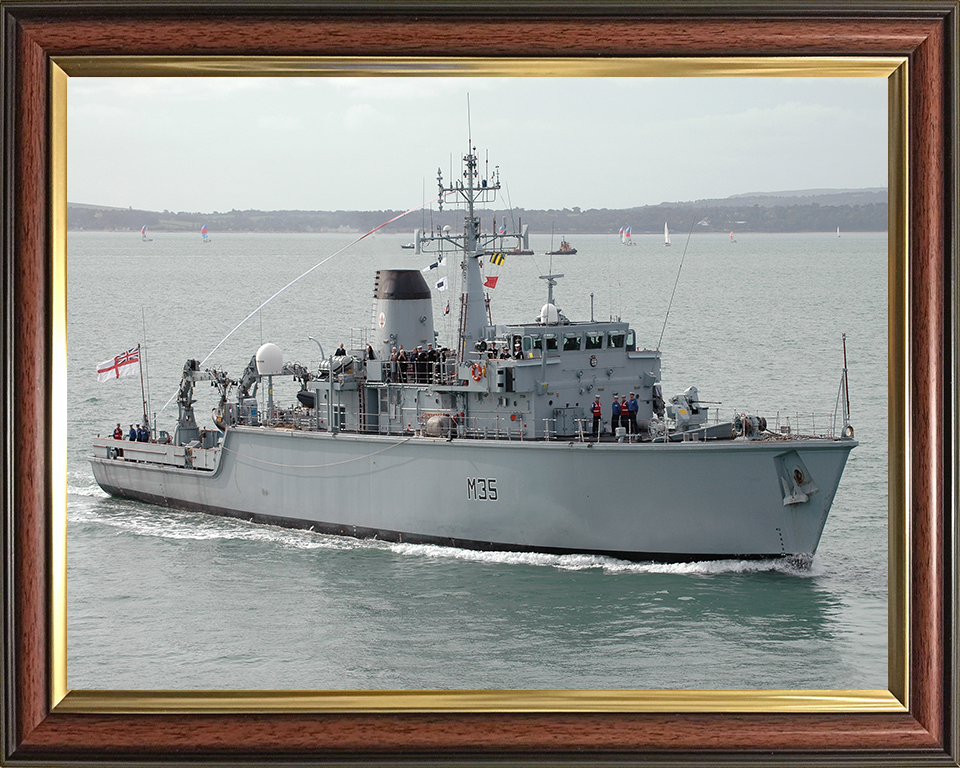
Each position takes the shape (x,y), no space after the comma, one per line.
(616,340)
(537,342)
(571,342)
(527,344)
(551,342)
(594,341)
(631,340)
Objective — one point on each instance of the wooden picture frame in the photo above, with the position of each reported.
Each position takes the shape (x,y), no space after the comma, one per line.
(915,721)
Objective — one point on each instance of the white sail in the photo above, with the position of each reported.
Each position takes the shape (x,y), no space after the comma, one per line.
(666,234)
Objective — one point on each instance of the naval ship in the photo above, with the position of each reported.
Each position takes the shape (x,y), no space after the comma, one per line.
(505,417)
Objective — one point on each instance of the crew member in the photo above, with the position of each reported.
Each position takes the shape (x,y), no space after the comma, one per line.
(633,406)
(393,365)
(118,433)
(615,419)
(597,414)
(340,351)
(417,360)
(132,436)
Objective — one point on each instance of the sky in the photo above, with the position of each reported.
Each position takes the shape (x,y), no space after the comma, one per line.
(375,143)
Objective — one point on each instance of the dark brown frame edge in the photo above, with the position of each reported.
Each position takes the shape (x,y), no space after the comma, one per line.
(925,32)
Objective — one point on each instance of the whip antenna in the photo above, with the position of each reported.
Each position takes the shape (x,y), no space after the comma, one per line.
(675,282)
(469,128)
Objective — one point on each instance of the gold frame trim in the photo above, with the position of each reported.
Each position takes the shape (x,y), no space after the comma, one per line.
(58,368)
(418,66)
(776,701)
(387,702)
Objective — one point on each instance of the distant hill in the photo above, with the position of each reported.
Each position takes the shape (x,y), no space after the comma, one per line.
(819,210)
(797,197)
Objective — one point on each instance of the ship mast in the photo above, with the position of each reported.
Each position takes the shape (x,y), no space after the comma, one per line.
(472,190)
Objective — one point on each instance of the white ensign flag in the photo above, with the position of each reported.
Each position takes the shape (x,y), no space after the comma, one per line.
(124,364)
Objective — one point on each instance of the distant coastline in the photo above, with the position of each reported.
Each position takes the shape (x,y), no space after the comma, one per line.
(823,210)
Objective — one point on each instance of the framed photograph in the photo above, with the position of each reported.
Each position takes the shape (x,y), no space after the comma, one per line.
(910,45)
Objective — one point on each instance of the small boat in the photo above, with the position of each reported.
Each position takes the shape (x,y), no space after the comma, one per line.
(625,236)
(565,247)
(666,234)
(838,231)
(408,246)
(203,232)
(143,235)
(731,238)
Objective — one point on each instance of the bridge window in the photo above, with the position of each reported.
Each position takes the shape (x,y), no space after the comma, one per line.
(616,340)
(571,342)
(551,339)
(631,340)
(594,341)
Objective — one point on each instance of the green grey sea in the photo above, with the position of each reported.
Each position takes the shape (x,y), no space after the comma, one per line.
(163,599)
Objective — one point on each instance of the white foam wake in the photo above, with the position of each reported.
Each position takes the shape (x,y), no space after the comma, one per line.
(613,565)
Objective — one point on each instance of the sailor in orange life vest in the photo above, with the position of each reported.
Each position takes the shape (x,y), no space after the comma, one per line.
(118,433)
(597,412)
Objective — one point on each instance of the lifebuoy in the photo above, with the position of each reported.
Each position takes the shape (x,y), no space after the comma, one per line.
(476,372)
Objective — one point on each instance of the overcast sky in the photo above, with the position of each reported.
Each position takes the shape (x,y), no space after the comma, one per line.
(372,143)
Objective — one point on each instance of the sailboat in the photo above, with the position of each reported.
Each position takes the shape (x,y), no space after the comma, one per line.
(838,231)
(143,235)
(203,232)
(625,236)
(731,238)
(666,234)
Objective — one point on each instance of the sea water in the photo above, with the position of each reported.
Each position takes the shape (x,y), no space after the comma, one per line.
(165,599)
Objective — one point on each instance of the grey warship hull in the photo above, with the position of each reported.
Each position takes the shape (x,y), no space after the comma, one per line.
(558,497)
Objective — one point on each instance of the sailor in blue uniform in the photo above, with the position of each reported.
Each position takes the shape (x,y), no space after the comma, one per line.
(633,406)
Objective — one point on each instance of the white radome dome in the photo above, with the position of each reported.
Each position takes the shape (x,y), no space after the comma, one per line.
(549,315)
(269,359)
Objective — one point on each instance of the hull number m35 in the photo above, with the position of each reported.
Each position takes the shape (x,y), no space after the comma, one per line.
(482,489)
